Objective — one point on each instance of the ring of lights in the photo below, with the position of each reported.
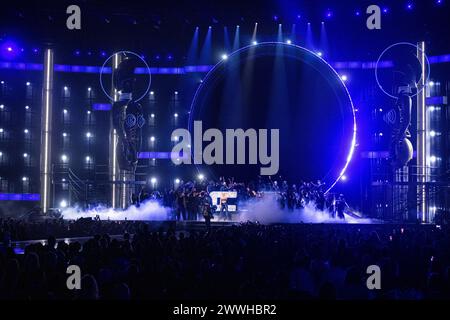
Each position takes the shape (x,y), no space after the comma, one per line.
(205,82)
(139,57)
(390,47)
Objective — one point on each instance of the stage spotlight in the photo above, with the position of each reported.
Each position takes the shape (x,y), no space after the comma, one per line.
(27,107)
(255,42)
(152,115)
(64,158)
(433,159)
(28,84)
(381,109)
(344,178)
(319,53)
(1,106)
(88,158)
(175,138)
(9,49)
(152,139)
(24,178)
(431,83)
(64,111)
(89,89)
(380,134)
(176,93)
(88,112)
(25,131)
(409,6)
(1,130)
(385,10)
(175,115)
(153,180)
(63,204)
(88,135)
(177,181)
(1,154)
(65,88)
(344,77)
(64,134)
(25,155)
(224,57)
(2,82)
(432,133)
(152,93)
(201,177)
(288,41)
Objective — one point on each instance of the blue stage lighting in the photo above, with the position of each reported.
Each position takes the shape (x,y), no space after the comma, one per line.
(224,56)
(410,6)
(288,41)
(254,42)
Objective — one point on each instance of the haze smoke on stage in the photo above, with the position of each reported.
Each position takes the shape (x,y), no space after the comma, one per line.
(148,211)
(267,211)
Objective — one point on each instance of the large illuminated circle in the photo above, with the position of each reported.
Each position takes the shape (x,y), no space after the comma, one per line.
(421,75)
(140,58)
(309,64)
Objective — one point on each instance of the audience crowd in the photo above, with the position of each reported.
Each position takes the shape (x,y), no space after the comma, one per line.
(298,261)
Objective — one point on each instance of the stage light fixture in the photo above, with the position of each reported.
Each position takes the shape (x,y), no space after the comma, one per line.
(409,6)
(152,139)
(64,134)
(433,159)
(153,180)
(175,115)
(288,41)
(9,49)
(2,82)
(431,83)
(65,88)
(201,177)
(1,106)
(152,115)
(1,154)
(64,111)
(319,53)
(1,130)
(255,42)
(432,133)
(177,181)
(88,135)
(175,138)
(176,93)
(344,178)
(64,158)
(89,88)
(380,134)
(28,84)
(88,158)
(88,112)
(344,77)
(381,109)
(25,131)
(27,107)
(63,204)
(224,57)
(25,155)
(24,179)
(152,93)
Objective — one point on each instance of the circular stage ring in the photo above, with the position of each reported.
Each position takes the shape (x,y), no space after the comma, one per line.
(139,57)
(390,47)
(204,82)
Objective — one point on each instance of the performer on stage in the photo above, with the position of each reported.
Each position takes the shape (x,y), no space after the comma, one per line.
(128,118)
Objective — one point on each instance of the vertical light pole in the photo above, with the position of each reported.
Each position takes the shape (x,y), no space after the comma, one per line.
(46,130)
(422,138)
(113,138)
